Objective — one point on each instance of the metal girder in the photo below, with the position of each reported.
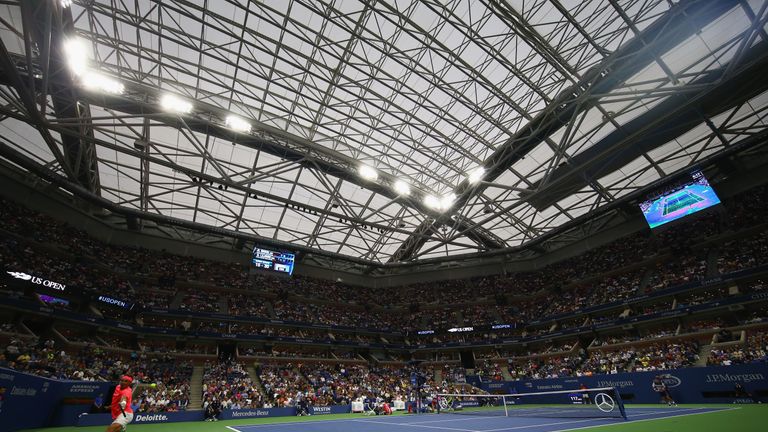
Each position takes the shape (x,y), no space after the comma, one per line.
(580,228)
(9,68)
(671,118)
(138,101)
(47,174)
(46,23)
(681,21)
(204,179)
(666,32)
(422,90)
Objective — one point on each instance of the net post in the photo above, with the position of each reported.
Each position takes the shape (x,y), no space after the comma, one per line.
(620,403)
(504,401)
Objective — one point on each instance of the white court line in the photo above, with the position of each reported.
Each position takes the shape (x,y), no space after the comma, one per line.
(418,425)
(289,423)
(449,417)
(492,430)
(327,421)
(453,417)
(539,425)
(658,418)
(610,424)
(421,424)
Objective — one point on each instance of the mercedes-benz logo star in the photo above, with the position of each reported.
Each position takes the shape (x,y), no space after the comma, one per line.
(604,402)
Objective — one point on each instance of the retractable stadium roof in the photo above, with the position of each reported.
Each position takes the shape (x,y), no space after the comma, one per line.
(383,131)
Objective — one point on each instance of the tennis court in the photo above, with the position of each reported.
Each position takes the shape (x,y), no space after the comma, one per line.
(470,423)
(682,200)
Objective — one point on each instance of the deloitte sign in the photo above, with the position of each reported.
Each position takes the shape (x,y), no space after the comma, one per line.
(141,418)
(150,418)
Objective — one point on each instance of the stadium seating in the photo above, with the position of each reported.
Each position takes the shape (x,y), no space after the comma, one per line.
(229,383)
(177,295)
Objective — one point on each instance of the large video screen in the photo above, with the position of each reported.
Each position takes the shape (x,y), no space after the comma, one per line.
(53,301)
(272,260)
(680,201)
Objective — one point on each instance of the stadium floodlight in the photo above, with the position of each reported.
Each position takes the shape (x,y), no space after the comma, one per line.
(368,173)
(476,175)
(432,202)
(77,55)
(97,81)
(174,103)
(402,188)
(65,3)
(447,201)
(238,124)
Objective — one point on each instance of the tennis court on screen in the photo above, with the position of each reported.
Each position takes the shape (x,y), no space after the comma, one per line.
(469,423)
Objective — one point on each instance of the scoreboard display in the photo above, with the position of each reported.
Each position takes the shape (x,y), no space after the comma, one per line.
(272,260)
(690,196)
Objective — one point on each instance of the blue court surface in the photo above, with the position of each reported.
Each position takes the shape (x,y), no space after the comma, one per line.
(468,423)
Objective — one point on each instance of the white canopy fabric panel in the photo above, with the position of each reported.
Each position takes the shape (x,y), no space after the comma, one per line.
(422,91)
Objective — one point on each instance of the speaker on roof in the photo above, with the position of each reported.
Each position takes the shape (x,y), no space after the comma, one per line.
(467,359)
(133,223)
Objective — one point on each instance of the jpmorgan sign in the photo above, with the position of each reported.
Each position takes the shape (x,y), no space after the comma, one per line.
(37,280)
(734,378)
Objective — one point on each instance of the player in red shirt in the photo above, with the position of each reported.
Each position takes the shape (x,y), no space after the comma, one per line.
(122,413)
(386,409)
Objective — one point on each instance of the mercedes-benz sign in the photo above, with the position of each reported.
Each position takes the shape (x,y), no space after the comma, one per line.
(604,402)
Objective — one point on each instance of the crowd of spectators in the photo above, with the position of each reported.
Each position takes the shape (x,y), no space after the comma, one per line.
(743,253)
(335,383)
(546,367)
(282,383)
(171,379)
(709,324)
(42,358)
(200,301)
(594,277)
(241,304)
(92,363)
(701,296)
(226,384)
(153,297)
(683,266)
(754,350)
(489,371)
(606,362)
(297,351)
(620,270)
(669,355)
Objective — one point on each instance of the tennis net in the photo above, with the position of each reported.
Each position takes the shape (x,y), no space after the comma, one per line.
(579,403)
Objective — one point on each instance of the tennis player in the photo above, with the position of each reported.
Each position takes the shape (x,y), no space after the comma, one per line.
(122,413)
(661,388)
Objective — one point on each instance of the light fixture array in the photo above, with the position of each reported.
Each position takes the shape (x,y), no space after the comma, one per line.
(77,59)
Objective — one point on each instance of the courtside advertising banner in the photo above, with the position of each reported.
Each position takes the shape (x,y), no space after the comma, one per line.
(53,402)
(713,384)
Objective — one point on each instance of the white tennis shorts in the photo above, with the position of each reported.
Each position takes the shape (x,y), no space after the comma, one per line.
(123,420)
